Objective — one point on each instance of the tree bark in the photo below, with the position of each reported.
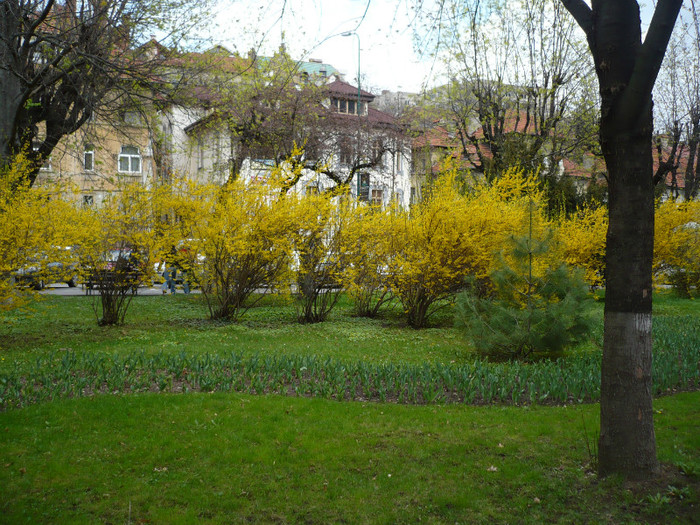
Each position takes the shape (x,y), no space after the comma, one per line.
(627,68)
(10,88)
(627,442)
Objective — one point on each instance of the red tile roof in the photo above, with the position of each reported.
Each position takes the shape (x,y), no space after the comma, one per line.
(342,88)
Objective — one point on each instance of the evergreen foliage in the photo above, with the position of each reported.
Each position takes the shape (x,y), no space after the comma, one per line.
(529,313)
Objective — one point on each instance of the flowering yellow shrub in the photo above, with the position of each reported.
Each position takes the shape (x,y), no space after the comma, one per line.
(510,207)
(320,252)
(36,226)
(368,251)
(677,246)
(449,237)
(238,241)
(117,244)
(582,237)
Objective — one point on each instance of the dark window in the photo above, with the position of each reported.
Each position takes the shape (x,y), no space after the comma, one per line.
(364,187)
(89,158)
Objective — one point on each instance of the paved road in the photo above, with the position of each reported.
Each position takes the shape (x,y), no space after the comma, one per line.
(65,290)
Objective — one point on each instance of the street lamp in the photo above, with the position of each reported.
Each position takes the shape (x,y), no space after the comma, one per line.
(350,33)
(359,104)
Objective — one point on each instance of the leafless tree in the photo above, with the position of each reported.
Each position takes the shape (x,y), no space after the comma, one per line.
(65,61)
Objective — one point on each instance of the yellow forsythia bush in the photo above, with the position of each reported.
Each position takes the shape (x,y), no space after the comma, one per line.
(677,246)
(320,222)
(118,244)
(368,250)
(582,239)
(36,226)
(510,207)
(235,239)
(449,237)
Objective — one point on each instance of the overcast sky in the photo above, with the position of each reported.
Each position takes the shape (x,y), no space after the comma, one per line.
(313,29)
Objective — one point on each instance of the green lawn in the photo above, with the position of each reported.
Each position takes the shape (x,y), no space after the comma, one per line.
(231,457)
(175,323)
(217,458)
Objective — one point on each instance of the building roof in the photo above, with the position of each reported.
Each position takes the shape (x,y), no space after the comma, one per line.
(341,88)
(436,137)
(318,68)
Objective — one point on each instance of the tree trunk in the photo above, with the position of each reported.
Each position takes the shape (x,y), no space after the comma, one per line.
(627,69)
(10,89)
(690,189)
(627,442)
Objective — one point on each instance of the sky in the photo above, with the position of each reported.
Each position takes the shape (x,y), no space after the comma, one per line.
(313,29)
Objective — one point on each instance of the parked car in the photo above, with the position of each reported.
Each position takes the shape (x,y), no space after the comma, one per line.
(119,268)
(39,273)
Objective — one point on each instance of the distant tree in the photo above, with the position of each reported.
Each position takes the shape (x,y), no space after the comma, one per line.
(678,110)
(518,82)
(64,61)
(268,108)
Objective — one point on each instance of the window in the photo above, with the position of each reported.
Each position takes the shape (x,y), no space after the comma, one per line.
(89,158)
(313,188)
(129,160)
(346,154)
(377,197)
(349,107)
(46,166)
(88,200)
(363,189)
(200,154)
(131,117)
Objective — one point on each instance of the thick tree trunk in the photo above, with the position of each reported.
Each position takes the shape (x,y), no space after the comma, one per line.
(10,89)
(627,442)
(627,68)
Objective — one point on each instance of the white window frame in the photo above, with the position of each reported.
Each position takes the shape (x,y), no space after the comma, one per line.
(347,106)
(89,153)
(130,157)
(312,188)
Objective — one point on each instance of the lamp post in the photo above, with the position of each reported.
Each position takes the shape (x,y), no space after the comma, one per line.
(359,91)
(359,94)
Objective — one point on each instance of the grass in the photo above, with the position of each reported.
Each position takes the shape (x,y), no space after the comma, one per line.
(238,458)
(169,347)
(216,458)
(175,323)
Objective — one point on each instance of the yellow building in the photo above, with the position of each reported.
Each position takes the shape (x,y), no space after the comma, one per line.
(93,159)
